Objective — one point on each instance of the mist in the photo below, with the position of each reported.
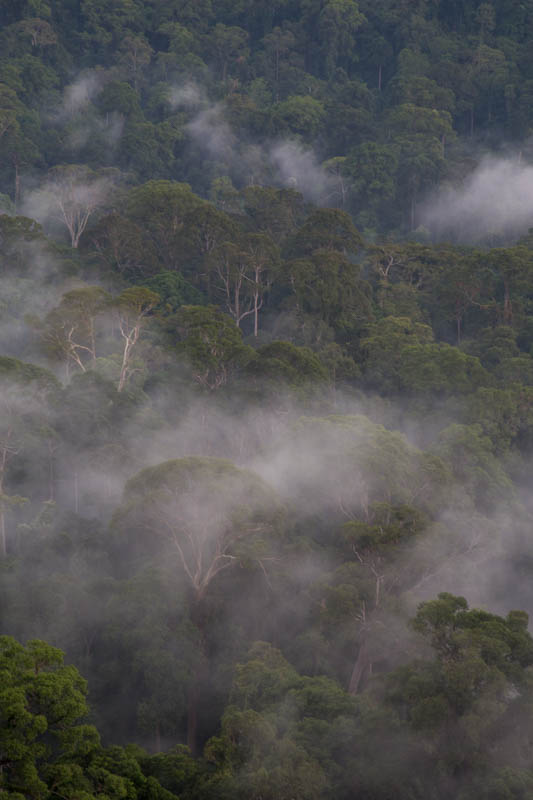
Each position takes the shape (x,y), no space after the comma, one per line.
(495,201)
(67,200)
(277,162)
(79,94)
(258,537)
(321,470)
(325,472)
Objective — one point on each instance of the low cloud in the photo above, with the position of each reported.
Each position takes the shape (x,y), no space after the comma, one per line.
(496,200)
(299,168)
(286,163)
(187,97)
(81,121)
(78,95)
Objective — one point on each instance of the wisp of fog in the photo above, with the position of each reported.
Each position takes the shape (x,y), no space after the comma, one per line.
(496,199)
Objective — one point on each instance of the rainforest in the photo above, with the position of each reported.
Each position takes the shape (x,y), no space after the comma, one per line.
(266,400)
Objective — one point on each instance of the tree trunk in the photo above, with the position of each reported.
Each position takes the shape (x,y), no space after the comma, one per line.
(17,186)
(199,679)
(51,475)
(192,716)
(507,306)
(76,494)
(359,668)
(3,543)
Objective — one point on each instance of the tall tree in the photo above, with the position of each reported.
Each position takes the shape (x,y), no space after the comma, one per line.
(212,344)
(159,208)
(69,331)
(132,309)
(71,195)
(24,428)
(241,273)
(208,514)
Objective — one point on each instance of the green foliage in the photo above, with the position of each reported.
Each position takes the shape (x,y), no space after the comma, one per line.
(401,356)
(470,456)
(476,652)
(29,375)
(164,330)
(119,97)
(280,363)
(361,463)
(326,229)
(299,115)
(207,509)
(212,344)
(264,748)
(160,207)
(41,698)
(173,290)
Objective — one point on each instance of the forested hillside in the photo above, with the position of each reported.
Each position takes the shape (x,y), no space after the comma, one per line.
(266,399)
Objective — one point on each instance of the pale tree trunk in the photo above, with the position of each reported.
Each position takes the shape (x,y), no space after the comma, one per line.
(76,494)
(237,302)
(233,286)
(362,663)
(130,338)
(92,339)
(258,301)
(5,453)
(256,314)
(76,222)
(507,305)
(3,544)
(17,185)
(51,471)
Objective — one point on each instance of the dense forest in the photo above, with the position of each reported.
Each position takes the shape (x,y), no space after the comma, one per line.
(266,399)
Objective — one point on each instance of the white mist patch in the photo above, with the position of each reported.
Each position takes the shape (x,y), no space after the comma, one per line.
(284,163)
(80,119)
(299,169)
(497,198)
(68,199)
(186,97)
(78,95)
(210,130)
